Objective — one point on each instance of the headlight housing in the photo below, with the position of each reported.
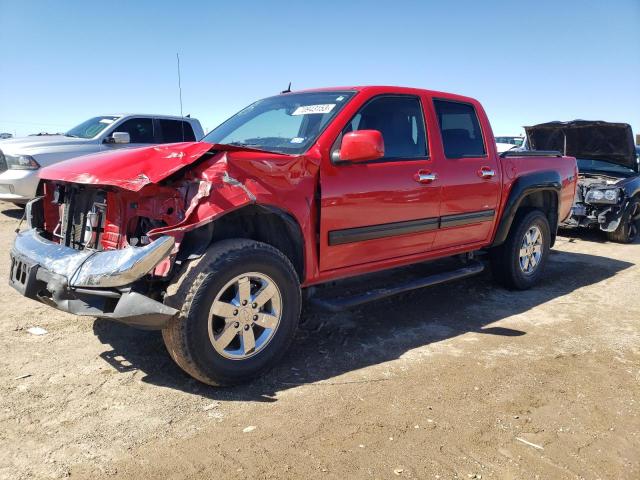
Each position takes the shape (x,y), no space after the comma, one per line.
(604,195)
(21,162)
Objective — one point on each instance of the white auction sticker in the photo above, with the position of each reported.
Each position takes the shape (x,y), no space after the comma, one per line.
(310,109)
(108,121)
(297,140)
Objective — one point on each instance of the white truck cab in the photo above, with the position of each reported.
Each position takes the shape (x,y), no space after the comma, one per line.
(21,158)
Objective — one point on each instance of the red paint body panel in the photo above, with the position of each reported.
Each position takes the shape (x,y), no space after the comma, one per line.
(463,189)
(208,181)
(129,168)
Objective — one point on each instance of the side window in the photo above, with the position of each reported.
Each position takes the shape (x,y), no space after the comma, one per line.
(460,129)
(400,121)
(172,131)
(139,129)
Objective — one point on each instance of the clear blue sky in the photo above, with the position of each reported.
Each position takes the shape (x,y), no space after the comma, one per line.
(528,62)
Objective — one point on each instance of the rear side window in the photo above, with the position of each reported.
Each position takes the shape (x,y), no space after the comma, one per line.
(176,131)
(460,129)
(400,121)
(139,129)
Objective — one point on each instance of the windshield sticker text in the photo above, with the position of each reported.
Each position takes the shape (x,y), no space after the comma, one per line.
(311,109)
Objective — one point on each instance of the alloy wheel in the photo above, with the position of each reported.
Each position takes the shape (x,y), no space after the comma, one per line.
(245,316)
(531,250)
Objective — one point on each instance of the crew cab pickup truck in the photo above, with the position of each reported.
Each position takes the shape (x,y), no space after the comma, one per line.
(22,158)
(218,242)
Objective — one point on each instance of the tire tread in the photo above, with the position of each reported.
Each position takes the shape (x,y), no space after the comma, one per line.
(186,287)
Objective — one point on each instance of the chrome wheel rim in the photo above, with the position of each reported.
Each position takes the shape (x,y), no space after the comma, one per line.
(245,315)
(531,250)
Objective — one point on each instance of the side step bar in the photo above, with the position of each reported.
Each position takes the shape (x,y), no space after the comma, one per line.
(344,303)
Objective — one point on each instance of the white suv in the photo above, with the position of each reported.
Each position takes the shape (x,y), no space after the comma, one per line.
(20,158)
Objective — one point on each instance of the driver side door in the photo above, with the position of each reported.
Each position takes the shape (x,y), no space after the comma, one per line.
(141,133)
(385,208)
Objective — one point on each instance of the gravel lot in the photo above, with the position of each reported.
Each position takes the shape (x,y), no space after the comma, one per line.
(464,380)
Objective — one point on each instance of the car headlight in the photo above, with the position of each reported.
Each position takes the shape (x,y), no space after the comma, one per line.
(21,162)
(609,195)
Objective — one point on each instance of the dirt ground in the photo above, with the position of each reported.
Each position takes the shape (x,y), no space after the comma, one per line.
(464,380)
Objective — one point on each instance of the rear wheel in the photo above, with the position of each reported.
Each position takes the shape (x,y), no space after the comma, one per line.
(519,262)
(240,311)
(627,231)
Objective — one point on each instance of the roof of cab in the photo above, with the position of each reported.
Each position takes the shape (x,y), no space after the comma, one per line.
(381,89)
(148,115)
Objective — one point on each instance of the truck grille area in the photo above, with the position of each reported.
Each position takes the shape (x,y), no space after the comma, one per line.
(82,216)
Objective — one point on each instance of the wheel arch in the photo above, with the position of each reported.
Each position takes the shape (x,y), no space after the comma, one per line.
(540,190)
(259,222)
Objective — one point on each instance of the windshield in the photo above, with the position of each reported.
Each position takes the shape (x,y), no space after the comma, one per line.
(91,127)
(288,123)
(601,166)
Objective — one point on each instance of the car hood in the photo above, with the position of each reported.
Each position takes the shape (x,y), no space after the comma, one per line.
(133,168)
(595,140)
(21,145)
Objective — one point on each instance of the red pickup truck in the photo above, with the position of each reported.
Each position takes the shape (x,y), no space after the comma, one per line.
(217,242)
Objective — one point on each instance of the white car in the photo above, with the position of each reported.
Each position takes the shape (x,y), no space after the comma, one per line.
(21,158)
(505,143)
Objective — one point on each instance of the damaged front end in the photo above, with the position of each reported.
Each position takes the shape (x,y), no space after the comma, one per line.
(86,251)
(109,232)
(608,180)
(599,203)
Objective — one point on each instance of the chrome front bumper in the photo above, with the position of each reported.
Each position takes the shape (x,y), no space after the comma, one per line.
(87,282)
(89,268)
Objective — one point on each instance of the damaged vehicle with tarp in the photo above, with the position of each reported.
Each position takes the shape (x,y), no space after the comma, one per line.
(608,193)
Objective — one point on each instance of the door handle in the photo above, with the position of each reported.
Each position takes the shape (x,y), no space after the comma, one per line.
(486,172)
(424,177)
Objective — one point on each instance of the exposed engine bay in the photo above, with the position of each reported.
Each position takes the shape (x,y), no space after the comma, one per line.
(598,202)
(86,217)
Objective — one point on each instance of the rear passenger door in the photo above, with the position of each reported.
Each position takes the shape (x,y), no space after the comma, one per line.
(173,131)
(468,174)
(380,209)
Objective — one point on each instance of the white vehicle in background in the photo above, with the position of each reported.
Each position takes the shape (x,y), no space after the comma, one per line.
(505,143)
(21,158)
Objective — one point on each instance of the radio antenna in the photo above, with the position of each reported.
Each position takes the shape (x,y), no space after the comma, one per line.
(180,96)
(288,90)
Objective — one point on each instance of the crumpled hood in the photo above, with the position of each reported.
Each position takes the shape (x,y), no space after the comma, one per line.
(595,140)
(25,144)
(129,168)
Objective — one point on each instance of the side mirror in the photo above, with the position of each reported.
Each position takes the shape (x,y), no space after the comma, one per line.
(120,137)
(362,145)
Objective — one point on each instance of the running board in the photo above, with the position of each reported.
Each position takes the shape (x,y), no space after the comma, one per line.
(345,303)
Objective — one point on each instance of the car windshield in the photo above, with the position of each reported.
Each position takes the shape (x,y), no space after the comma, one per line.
(91,127)
(289,123)
(585,164)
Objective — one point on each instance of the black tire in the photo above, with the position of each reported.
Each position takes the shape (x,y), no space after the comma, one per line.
(627,231)
(505,259)
(193,293)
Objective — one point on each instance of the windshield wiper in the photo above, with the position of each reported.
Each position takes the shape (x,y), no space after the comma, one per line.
(70,135)
(242,144)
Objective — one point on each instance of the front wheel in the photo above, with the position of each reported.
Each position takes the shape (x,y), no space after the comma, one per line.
(240,310)
(627,231)
(519,263)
